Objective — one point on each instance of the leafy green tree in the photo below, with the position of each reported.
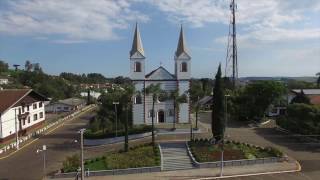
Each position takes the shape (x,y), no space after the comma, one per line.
(155,91)
(254,100)
(218,121)
(3,66)
(300,98)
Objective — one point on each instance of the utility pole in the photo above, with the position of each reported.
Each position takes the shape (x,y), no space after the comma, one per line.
(43,150)
(222,142)
(16,128)
(81,144)
(116,112)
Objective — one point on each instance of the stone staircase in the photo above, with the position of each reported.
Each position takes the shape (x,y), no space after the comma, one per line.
(175,156)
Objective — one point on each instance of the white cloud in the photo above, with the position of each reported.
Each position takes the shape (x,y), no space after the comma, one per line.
(263,20)
(72,21)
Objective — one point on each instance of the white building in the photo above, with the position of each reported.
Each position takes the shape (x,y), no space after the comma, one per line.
(4,81)
(65,105)
(180,80)
(22,109)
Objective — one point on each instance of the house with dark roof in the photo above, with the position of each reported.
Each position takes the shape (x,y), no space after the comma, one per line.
(20,111)
(179,80)
(312,94)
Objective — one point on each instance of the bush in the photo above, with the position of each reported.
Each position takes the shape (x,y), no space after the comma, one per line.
(71,163)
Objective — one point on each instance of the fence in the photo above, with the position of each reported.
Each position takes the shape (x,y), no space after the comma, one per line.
(240,162)
(111,172)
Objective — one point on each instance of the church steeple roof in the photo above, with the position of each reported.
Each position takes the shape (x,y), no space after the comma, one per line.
(182,47)
(137,43)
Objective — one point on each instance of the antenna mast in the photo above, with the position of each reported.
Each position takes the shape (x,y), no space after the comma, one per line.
(232,59)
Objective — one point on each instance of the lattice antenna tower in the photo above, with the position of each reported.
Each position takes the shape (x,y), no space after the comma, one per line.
(231,68)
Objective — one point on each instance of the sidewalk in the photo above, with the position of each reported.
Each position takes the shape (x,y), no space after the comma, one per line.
(283,167)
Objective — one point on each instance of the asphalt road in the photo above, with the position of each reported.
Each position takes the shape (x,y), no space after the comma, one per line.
(26,164)
(308,154)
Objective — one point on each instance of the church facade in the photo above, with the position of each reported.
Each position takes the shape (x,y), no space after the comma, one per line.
(179,81)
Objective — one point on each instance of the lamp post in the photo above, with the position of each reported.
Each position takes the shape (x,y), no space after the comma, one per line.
(81,154)
(116,112)
(222,142)
(43,150)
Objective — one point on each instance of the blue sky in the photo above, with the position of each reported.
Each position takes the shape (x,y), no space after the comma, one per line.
(275,37)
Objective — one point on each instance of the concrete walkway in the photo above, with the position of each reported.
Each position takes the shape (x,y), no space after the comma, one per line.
(206,173)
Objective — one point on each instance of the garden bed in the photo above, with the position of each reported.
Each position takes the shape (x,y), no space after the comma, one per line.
(139,156)
(203,151)
(139,129)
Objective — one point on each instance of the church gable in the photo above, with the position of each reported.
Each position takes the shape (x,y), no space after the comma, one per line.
(184,56)
(137,55)
(159,74)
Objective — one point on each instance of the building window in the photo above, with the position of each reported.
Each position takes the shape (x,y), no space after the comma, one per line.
(23,122)
(40,104)
(35,117)
(34,105)
(150,113)
(184,67)
(28,119)
(66,108)
(22,108)
(27,107)
(138,99)
(59,107)
(137,67)
(171,112)
(41,114)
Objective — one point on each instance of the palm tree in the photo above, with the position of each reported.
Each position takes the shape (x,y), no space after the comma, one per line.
(177,100)
(155,91)
(126,100)
(318,81)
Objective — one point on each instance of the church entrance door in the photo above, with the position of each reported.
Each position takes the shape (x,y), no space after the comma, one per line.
(161,116)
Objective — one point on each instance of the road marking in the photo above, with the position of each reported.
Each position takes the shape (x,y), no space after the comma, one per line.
(254,174)
(48,132)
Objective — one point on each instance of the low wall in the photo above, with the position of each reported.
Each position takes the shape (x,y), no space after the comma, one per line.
(98,142)
(42,130)
(111,172)
(241,162)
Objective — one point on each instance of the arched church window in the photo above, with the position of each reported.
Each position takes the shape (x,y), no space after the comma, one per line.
(137,67)
(184,67)
(138,99)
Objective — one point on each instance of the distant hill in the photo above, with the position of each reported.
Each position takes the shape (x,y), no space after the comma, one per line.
(281,78)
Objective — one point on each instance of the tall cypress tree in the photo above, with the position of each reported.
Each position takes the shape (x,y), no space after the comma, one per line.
(218,121)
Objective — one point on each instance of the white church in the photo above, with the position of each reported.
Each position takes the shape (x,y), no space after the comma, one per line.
(180,80)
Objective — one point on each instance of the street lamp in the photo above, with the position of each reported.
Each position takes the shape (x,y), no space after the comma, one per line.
(222,142)
(43,150)
(81,144)
(115,108)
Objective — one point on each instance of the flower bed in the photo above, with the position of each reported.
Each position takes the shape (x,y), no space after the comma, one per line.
(203,151)
(140,156)
(101,135)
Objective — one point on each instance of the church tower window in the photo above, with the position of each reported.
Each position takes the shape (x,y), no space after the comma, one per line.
(137,67)
(184,67)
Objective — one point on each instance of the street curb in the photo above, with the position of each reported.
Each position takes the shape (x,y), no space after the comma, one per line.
(254,174)
(51,130)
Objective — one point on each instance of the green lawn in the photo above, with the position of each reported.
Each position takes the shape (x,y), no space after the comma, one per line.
(140,156)
(203,151)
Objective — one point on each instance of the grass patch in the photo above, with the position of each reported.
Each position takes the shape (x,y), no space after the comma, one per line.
(203,151)
(140,156)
